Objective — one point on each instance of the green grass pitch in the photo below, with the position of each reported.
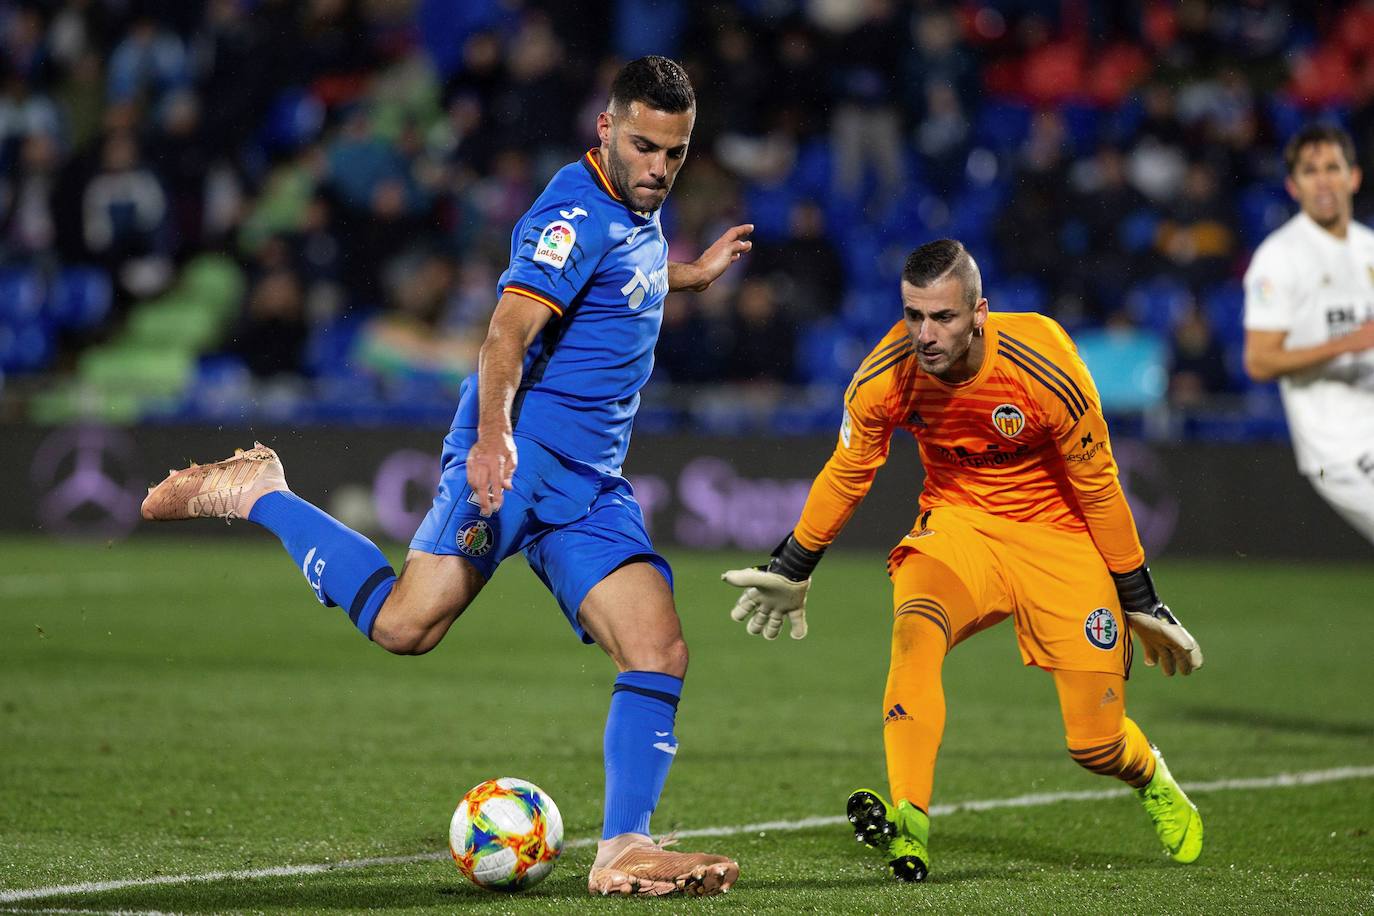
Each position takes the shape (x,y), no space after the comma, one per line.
(182,706)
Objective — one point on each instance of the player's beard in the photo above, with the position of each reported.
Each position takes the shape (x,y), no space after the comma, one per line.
(619,174)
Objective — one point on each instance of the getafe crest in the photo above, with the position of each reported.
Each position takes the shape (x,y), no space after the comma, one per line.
(1009,420)
(474,538)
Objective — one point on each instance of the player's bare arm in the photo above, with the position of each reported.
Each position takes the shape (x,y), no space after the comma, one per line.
(491,461)
(699,274)
(1266,358)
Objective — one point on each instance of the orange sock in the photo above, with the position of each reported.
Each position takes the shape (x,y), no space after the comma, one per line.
(1099,735)
(932,607)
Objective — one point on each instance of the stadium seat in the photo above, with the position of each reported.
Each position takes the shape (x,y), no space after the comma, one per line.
(81,298)
(295,118)
(26,345)
(1002,125)
(1017,293)
(1158,303)
(1129,366)
(828,352)
(22,294)
(1225,309)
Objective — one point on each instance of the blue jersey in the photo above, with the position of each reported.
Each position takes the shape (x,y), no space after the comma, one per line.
(603,271)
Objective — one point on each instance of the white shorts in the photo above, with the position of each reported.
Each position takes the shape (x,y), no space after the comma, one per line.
(1350,491)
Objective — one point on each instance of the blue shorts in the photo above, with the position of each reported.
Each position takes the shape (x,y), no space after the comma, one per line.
(575,525)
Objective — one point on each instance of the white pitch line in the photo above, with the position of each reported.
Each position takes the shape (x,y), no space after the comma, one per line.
(1278,781)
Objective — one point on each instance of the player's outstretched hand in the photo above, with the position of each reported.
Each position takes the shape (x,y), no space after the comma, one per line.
(491,470)
(1164,641)
(768,598)
(724,251)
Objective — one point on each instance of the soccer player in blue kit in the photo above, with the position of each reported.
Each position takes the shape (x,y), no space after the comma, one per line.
(532,463)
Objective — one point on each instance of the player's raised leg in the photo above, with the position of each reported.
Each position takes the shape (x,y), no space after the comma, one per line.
(1102,739)
(341,566)
(630,614)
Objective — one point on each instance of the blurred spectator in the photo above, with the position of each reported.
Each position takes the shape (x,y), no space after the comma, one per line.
(1195,237)
(23,113)
(763,340)
(412,337)
(805,270)
(271,338)
(28,227)
(148,62)
(1197,362)
(691,349)
(866,127)
(124,217)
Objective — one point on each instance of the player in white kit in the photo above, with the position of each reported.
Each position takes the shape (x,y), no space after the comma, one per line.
(1309,322)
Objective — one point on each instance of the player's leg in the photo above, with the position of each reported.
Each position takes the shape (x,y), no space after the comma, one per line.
(616,592)
(342,567)
(406,614)
(933,609)
(630,614)
(1102,739)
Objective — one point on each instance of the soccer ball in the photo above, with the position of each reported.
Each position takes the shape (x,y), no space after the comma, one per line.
(506,834)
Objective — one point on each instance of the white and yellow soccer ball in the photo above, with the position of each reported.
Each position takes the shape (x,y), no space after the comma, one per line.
(506,834)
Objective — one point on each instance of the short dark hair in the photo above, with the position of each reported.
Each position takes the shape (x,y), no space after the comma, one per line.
(1318,133)
(934,261)
(656,81)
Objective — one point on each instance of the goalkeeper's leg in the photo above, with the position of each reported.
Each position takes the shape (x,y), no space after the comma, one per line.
(932,610)
(1103,740)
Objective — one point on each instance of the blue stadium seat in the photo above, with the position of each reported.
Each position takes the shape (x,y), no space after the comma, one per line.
(1225,309)
(81,298)
(1002,125)
(829,352)
(1136,232)
(26,346)
(1084,126)
(295,118)
(22,294)
(769,208)
(1262,209)
(1017,293)
(1159,303)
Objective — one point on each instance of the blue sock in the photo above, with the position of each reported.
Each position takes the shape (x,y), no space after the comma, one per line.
(639,748)
(344,568)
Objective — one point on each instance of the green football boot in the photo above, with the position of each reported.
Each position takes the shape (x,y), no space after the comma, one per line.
(902,832)
(1176,818)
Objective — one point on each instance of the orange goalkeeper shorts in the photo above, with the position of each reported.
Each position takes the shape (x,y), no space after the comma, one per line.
(1053,583)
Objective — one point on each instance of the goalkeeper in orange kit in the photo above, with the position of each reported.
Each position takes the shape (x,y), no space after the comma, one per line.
(1022,516)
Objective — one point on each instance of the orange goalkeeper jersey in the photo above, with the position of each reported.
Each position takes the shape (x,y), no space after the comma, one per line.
(1024,439)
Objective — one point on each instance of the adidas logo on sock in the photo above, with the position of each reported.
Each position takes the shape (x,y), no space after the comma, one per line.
(895,714)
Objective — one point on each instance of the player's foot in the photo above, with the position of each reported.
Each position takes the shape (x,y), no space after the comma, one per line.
(632,865)
(225,489)
(1176,818)
(902,833)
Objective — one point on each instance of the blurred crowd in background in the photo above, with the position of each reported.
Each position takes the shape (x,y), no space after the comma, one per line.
(298,209)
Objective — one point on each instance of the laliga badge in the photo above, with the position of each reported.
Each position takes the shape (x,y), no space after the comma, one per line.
(555,243)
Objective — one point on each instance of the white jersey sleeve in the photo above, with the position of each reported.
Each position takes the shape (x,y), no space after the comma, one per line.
(1271,293)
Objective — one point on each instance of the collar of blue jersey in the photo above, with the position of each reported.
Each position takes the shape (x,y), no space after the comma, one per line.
(592,163)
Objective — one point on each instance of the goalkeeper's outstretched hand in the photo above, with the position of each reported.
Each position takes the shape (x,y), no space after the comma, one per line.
(768,599)
(1163,640)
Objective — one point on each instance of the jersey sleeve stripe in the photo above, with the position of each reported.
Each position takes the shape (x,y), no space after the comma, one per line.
(528,293)
(1030,353)
(854,390)
(1035,374)
(878,355)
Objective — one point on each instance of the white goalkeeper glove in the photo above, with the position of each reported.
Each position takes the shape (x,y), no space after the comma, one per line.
(775,592)
(1163,640)
(768,598)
